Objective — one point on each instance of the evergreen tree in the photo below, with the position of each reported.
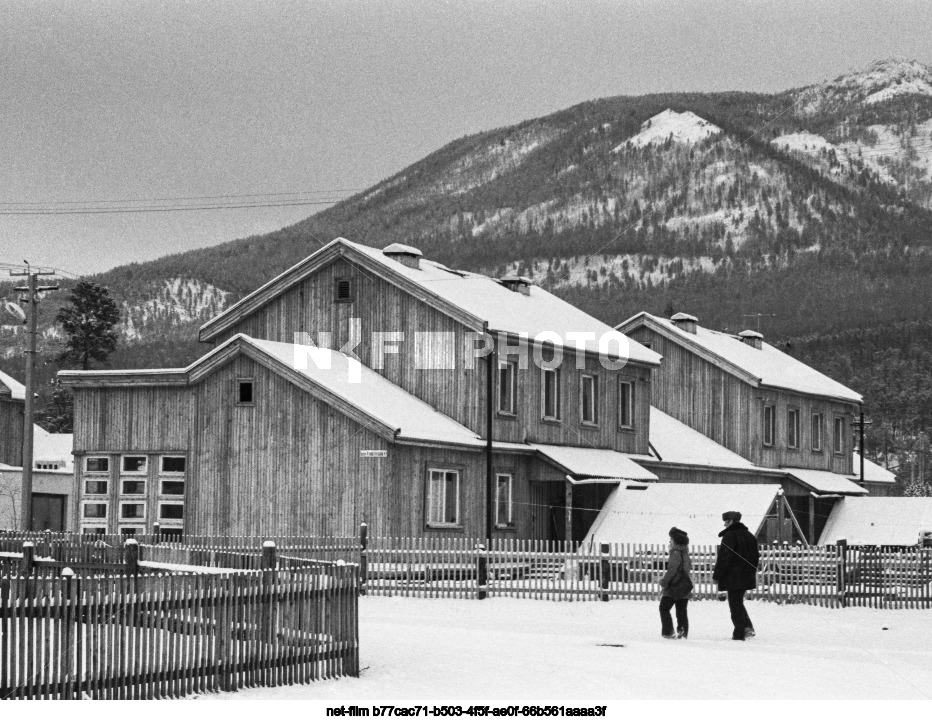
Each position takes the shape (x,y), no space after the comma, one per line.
(88,325)
(58,414)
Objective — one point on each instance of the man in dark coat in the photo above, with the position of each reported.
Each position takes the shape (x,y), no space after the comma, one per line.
(736,571)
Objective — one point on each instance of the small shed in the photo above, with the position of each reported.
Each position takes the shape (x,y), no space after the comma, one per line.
(873,521)
(645,512)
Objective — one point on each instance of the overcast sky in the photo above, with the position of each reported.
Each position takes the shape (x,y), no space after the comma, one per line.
(109,101)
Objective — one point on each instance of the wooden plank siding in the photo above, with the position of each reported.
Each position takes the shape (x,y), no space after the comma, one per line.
(443,373)
(730,411)
(11,431)
(287,464)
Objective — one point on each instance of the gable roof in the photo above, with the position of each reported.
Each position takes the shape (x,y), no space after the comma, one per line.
(645,513)
(766,366)
(11,386)
(878,521)
(477,301)
(353,388)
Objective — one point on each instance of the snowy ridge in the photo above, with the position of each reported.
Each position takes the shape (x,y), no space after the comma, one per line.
(177,301)
(684,127)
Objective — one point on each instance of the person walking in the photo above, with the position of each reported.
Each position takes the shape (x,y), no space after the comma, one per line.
(676,586)
(736,571)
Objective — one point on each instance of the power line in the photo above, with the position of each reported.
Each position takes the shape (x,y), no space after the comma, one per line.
(171,209)
(182,197)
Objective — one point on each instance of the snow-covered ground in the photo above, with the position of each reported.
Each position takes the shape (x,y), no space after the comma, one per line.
(505,649)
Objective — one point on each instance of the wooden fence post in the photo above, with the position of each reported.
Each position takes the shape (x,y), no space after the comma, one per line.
(482,572)
(131,556)
(604,572)
(67,636)
(269,564)
(842,572)
(48,543)
(29,558)
(363,557)
(156,533)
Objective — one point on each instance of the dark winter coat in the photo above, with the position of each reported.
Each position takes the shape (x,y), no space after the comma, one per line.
(675,584)
(738,557)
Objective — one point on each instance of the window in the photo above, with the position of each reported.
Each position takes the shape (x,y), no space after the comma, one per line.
(96,464)
(130,531)
(95,487)
(792,427)
(172,465)
(134,464)
(172,488)
(132,510)
(503,500)
(133,488)
(93,530)
(244,392)
(343,290)
(770,430)
(171,511)
(95,510)
(443,498)
(817,431)
(166,533)
(507,388)
(625,404)
(839,435)
(551,394)
(588,407)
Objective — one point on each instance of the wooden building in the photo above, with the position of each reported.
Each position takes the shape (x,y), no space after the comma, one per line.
(52,477)
(354,387)
(789,422)
(12,403)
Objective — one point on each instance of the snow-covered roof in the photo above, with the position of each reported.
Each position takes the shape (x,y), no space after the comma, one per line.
(675,442)
(592,463)
(873,473)
(370,392)
(878,521)
(644,513)
(17,390)
(478,297)
(52,447)
(825,481)
(767,365)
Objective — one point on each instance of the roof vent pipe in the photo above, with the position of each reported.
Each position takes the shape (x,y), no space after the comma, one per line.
(752,338)
(685,322)
(517,284)
(404,254)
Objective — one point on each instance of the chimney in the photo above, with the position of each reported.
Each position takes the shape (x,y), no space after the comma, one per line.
(685,322)
(404,254)
(752,338)
(517,284)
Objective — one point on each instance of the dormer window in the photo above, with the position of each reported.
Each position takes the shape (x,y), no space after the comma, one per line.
(343,291)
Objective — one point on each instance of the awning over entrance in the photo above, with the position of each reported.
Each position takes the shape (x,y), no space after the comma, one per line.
(825,481)
(634,513)
(594,463)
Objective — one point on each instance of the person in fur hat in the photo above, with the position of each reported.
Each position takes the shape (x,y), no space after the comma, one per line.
(676,586)
(736,571)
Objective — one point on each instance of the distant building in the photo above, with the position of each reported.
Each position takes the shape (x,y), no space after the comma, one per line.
(53,470)
(785,420)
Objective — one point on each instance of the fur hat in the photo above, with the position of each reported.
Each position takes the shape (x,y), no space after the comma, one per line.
(731,516)
(679,537)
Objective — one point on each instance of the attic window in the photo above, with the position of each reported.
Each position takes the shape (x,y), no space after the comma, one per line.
(244,392)
(343,291)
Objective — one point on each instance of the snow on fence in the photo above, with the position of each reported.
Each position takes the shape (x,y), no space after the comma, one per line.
(168,636)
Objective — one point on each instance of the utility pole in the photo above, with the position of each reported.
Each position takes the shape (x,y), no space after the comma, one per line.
(758,316)
(32,290)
